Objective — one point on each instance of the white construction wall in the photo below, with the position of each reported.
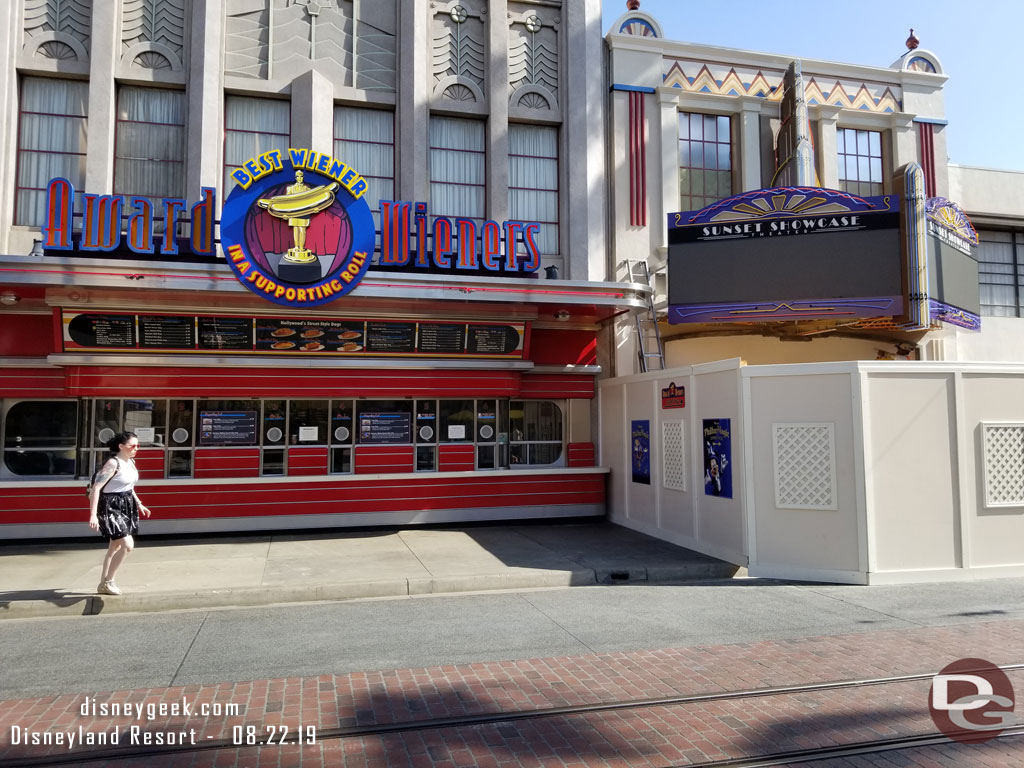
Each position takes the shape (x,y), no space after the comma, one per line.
(852,472)
(704,522)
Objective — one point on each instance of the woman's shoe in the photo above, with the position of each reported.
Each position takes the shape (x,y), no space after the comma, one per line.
(108,587)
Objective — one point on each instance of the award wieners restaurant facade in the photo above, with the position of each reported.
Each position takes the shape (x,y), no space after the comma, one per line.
(312,351)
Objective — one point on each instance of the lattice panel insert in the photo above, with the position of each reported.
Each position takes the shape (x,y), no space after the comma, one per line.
(805,466)
(1004,465)
(673,455)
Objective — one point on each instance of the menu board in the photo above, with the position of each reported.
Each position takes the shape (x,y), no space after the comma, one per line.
(384,427)
(102,331)
(290,336)
(225,333)
(227,427)
(167,331)
(390,337)
(442,338)
(493,340)
(309,336)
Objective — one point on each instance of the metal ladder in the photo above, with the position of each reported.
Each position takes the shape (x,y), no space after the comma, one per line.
(650,350)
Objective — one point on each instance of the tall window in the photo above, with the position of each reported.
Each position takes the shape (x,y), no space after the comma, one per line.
(51,143)
(251,127)
(533,180)
(457,168)
(149,148)
(1001,273)
(705,160)
(365,140)
(860,161)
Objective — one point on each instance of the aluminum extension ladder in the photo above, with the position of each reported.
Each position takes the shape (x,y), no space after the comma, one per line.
(650,349)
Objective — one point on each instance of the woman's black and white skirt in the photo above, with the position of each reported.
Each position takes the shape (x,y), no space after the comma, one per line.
(118,515)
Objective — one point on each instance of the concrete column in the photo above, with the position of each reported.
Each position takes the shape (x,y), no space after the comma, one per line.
(8,122)
(497,100)
(313,112)
(104,51)
(663,194)
(413,107)
(827,149)
(941,161)
(904,140)
(749,176)
(205,146)
(584,125)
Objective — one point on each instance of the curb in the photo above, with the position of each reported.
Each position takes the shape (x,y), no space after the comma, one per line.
(97,605)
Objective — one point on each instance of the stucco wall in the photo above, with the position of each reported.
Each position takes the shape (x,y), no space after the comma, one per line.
(985,191)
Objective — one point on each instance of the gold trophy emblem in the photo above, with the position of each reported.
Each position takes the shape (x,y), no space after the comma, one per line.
(297,206)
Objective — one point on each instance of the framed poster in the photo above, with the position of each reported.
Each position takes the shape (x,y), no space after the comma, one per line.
(640,442)
(718,458)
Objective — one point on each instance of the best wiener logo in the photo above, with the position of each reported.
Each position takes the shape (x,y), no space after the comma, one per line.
(296,229)
(971,701)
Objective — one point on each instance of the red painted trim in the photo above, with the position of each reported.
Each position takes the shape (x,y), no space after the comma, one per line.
(581,455)
(540,386)
(383,459)
(151,466)
(163,381)
(553,346)
(926,136)
(32,383)
(227,462)
(307,461)
(58,329)
(190,501)
(456,458)
(25,335)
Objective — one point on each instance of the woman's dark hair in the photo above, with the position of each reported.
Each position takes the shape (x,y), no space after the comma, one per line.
(114,444)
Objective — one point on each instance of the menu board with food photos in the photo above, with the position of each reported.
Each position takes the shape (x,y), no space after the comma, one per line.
(285,336)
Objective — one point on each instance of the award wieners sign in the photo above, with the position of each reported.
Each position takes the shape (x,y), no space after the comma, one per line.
(295,229)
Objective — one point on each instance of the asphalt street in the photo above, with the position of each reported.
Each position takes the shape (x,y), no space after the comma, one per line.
(88,654)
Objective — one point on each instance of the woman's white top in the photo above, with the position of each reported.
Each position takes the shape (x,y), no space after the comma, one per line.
(125,478)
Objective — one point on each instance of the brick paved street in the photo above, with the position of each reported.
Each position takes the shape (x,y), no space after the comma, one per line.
(653,736)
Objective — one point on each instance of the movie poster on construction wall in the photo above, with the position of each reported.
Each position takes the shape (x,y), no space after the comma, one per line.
(641,451)
(718,458)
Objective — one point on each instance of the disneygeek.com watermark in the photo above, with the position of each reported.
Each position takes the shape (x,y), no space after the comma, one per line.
(971,701)
(133,734)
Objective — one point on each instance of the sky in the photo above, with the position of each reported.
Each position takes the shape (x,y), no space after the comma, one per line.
(979,44)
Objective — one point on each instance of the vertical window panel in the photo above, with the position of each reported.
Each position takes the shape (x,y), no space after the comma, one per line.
(52,121)
(149,146)
(457,168)
(1000,273)
(705,160)
(253,126)
(859,155)
(364,139)
(533,181)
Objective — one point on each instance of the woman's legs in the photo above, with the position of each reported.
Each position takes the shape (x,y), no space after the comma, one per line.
(116,553)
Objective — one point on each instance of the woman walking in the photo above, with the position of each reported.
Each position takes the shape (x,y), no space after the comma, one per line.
(114,506)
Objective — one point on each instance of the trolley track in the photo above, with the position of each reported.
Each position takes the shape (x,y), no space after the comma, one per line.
(488,718)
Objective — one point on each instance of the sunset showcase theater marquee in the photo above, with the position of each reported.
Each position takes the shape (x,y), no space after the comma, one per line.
(295,230)
(807,253)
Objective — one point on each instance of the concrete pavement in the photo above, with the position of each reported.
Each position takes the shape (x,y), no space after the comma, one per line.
(59,578)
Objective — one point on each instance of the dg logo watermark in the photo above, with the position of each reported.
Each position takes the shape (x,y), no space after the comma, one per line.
(971,701)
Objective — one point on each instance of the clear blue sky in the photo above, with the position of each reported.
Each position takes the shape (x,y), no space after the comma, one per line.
(980,45)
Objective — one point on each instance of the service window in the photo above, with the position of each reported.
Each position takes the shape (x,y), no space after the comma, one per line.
(426,435)
(456,421)
(307,422)
(40,438)
(384,422)
(536,433)
(342,435)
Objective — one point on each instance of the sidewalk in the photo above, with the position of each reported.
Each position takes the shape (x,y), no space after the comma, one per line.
(59,578)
